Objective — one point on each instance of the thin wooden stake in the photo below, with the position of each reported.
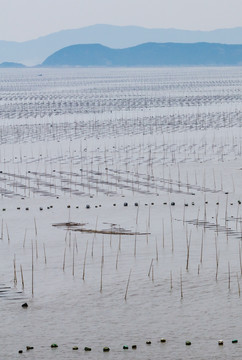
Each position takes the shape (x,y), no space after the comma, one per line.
(64,260)
(32,268)
(25,233)
(84,264)
(8,234)
(229,280)
(240,260)
(73,260)
(14,271)
(35,226)
(2,230)
(150,267)
(126,292)
(181,284)
(22,276)
(101,280)
(238,284)
(201,253)
(44,253)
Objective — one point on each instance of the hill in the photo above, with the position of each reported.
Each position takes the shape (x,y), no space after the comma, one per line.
(11,65)
(149,54)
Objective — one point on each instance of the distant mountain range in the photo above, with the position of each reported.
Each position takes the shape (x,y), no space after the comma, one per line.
(149,54)
(36,51)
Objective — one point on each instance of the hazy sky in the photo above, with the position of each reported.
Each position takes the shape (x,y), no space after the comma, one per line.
(27,19)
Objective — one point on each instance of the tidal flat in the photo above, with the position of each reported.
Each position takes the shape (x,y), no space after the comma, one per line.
(120,213)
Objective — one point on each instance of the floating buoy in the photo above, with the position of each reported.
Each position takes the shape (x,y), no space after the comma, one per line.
(29,348)
(148,342)
(188,343)
(75,348)
(134,347)
(162,340)
(54,346)
(106,349)
(125,347)
(87,348)
(25,305)
(220,342)
(234,341)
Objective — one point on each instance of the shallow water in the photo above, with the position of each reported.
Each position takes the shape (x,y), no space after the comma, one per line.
(104,137)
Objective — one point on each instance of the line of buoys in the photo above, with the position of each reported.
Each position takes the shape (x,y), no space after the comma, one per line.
(125,347)
(125,204)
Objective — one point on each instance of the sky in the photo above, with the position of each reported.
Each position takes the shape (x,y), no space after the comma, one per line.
(22,20)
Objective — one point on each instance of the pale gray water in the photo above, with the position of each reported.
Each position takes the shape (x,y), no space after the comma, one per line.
(104,137)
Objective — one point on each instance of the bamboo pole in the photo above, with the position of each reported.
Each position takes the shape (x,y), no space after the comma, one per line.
(84,264)
(22,276)
(127,286)
(32,268)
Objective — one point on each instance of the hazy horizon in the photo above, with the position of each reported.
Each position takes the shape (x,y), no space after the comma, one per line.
(30,20)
